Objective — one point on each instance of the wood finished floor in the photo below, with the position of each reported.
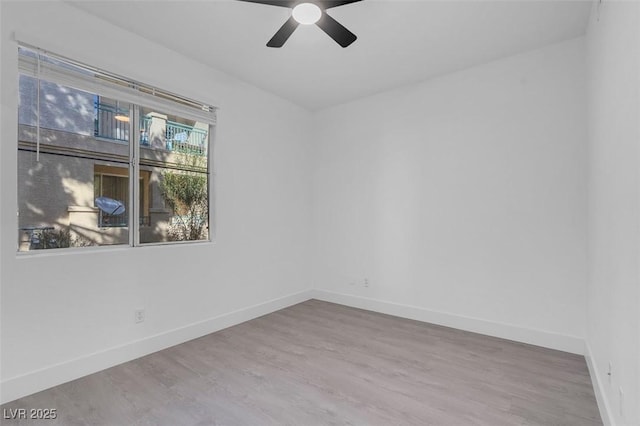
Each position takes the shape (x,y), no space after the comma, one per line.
(318,363)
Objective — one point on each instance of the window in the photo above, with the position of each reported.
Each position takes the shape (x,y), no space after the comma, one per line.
(107,161)
(114,188)
(113,183)
(109,120)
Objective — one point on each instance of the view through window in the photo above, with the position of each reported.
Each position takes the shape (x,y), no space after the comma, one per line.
(95,169)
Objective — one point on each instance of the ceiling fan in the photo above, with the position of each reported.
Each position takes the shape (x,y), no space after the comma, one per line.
(308,13)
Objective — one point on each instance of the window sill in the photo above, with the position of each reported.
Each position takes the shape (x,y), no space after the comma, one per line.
(43,253)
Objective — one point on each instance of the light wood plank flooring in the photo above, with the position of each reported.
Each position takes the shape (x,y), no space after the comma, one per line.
(318,363)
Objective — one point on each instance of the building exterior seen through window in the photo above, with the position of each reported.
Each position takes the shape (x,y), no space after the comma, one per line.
(79,155)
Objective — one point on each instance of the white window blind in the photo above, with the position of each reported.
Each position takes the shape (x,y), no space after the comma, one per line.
(55,68)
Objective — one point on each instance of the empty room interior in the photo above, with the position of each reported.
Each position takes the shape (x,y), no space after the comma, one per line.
(364,212)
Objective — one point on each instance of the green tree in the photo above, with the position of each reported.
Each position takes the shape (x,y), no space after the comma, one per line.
(186,192)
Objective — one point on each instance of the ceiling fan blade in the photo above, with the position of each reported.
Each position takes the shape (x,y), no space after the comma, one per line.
(336,31)
(328,4)
(283,3)
(283,33)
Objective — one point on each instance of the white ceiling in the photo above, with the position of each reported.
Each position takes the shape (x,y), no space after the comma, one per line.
(399,42)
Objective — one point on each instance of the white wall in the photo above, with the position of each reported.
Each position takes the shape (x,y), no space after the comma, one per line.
(462,199)
(613,333)
(68,315)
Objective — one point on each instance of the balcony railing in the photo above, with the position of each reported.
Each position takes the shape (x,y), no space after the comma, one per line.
(178,137)
(106,125)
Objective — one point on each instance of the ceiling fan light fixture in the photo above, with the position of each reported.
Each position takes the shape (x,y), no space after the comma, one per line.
(306,13)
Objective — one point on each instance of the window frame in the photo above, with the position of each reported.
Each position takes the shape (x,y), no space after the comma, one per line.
(137,96)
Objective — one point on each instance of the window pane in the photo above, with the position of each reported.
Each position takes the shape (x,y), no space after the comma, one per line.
(73,187)
(174,193)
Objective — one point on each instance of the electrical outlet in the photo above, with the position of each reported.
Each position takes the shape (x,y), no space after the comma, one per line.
(139,316)
(366,283)
(621,394)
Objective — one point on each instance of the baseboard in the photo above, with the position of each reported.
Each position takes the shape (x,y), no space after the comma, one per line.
(598,389)
(36,381)
(572,344)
